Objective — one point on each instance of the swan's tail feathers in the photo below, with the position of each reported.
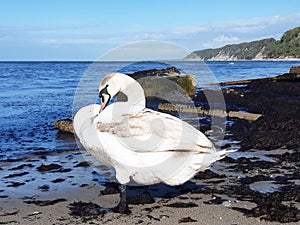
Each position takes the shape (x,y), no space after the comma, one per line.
(196,162)
(222,154)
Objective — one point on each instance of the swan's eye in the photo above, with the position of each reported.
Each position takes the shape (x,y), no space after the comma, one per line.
(103,91)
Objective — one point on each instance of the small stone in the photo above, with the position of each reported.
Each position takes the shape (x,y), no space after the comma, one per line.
(226,203)
(187,220)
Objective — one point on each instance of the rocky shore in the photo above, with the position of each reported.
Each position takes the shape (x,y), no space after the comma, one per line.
(258,184)
(277,99)
(276,135)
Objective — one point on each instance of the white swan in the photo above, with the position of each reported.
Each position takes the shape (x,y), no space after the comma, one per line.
(142,145)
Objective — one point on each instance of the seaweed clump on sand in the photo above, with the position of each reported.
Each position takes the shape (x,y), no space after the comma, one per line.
(45,202)
(86,210)
(277,206)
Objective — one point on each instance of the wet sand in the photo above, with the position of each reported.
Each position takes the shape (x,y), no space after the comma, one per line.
(64,189)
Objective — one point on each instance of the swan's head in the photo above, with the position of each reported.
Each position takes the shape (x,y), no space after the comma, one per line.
(111,85)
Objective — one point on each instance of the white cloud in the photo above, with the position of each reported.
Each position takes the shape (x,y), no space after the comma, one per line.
(218,34)
(226,39)
(73,41)
(229,32)
(190,30)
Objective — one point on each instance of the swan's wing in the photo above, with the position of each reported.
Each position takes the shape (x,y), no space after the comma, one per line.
(153,131)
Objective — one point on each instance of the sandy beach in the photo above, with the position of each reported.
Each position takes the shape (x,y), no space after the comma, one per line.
(60,196)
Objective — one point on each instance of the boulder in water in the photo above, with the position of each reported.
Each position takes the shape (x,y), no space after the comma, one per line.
(65,125)
(156,82)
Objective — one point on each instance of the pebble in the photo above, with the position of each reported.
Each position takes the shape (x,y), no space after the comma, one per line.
(226,203)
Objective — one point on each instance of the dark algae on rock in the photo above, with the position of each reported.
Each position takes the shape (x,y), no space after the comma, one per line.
(279,103)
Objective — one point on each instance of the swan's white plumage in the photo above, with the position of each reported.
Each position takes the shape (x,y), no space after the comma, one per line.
(142,145)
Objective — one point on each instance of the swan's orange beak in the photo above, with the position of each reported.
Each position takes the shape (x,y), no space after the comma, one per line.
(105,99)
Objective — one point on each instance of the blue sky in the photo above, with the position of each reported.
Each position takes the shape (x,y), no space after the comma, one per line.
(87,29)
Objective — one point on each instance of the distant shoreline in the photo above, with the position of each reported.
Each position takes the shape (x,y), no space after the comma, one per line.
(182,60)
(246,60)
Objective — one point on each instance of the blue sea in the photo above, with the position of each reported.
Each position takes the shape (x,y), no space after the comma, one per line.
(35,94)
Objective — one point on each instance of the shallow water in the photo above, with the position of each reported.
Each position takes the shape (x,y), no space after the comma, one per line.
(265,186)
(35,94)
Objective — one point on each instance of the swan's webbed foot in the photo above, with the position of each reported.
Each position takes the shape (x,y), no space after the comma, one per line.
(122,207)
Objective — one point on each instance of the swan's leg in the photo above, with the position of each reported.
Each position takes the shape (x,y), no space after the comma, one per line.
(122,207)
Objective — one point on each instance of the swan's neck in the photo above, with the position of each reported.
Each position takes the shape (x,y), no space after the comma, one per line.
(135,96)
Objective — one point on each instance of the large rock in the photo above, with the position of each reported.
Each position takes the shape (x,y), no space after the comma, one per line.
(293,75)
(65,125)
(295,69)
(157,82)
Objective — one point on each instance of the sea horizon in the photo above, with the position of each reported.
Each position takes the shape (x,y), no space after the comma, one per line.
(159,60)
